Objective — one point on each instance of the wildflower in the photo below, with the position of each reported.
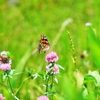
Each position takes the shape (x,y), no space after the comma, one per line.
(52,69)
(5,66)
(88,24)
(5,61)
(51,57)
(1,97)
(43,98)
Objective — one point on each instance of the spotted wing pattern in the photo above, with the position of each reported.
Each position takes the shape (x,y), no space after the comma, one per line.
(44,45)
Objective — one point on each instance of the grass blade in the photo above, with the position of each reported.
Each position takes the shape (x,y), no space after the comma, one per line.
(94,45)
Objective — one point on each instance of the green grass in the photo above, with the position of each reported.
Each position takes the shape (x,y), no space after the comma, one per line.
(21,25)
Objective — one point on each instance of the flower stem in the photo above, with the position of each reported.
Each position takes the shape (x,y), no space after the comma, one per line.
(10,84)
(12,93)
(52,87)
(47,79)
(21,85)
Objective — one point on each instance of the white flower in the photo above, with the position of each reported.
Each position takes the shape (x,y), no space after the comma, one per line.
(88,24)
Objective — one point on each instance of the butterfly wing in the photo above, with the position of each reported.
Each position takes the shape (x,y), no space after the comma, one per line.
(44,45)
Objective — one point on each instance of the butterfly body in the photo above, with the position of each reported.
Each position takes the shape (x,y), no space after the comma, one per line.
(44,45)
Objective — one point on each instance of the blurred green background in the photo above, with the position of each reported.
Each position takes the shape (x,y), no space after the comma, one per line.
(21,24)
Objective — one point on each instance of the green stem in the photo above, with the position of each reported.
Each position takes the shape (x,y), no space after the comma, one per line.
(10,84)
(52,87)
(21,85)
(47,79)
(12,93)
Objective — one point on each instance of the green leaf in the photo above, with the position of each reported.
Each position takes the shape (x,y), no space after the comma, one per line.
(4,76)
(49,93)
(94,45)
(41,75)
(11,71)
(56,80)
(89,78)
(60,67)
(30,72)
(35,76)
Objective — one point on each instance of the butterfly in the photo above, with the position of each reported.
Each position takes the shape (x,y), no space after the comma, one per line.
(3,59)
(44,45)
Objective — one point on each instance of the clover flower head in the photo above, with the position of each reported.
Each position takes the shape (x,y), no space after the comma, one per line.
(1,97)
(5,66)
(52,69)
(52,57)
(5,62)
(43,98)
